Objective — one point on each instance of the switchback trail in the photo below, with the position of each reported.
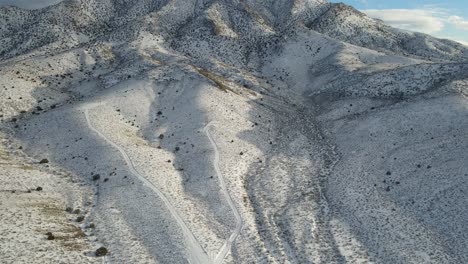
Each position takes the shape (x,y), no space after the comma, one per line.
(196,254)
(225,249)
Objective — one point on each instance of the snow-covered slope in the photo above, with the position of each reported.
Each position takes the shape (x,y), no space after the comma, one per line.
(347,24)
(234,131)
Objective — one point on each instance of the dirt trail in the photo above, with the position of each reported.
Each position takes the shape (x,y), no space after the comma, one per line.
(225,249)
(195,252)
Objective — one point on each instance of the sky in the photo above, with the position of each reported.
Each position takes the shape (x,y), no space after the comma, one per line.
(440,18)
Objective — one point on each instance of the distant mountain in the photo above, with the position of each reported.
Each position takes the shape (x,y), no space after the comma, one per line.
(85,20)
(347,24)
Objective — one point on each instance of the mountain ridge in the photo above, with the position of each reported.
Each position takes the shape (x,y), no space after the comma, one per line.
(317,15)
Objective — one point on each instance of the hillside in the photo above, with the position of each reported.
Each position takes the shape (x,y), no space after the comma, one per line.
(229,131)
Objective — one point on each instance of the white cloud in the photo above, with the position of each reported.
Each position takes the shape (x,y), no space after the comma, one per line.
(430,20)
(459,22)
(426,21)
(463,42)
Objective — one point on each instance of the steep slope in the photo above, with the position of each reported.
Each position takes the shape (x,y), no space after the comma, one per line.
(44,211)
(238,131)
(347,24)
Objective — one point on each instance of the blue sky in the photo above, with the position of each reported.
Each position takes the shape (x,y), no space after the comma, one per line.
(441,18)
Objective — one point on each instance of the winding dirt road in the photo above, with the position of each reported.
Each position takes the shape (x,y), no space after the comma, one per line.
(225,249)
(195,252)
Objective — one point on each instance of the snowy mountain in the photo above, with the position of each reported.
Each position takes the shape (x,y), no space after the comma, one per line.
(229,131)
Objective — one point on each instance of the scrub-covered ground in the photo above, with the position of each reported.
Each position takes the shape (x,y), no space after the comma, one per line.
(229,132)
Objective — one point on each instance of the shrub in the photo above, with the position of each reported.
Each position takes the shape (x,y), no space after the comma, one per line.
(102,251)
